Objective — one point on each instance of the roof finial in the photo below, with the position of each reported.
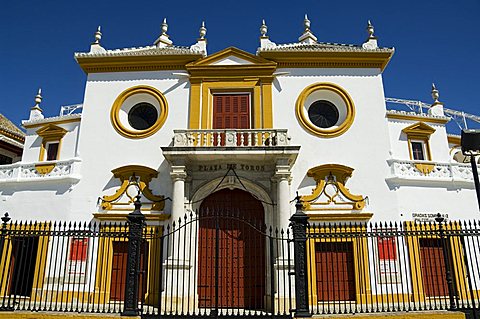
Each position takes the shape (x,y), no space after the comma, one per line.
(306,23)
(263,29)
(163,40)
(36,111)
(435,94)
(98,36)
(370,30)
(38,98)
(164,26)
(371,42)
(203,31)
(307,37)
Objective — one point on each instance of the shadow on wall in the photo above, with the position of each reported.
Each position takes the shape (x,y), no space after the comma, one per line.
(53,186)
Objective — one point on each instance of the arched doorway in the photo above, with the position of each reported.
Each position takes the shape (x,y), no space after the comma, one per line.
(231,251)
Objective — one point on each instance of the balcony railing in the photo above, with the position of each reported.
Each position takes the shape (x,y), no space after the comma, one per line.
(435,172)
(231,138)
(41,171)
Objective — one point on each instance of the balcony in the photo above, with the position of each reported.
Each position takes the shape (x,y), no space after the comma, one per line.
(64,170)
(405,172)
(231,138)
(265,145)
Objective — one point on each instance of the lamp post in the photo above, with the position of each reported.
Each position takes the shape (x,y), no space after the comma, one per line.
(470,142)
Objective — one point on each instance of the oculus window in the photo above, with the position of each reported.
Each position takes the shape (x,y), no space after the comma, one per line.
(323,114)
(325,110)
(142,116)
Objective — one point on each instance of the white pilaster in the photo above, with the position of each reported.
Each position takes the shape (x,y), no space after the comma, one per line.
(178,174)
(283,176)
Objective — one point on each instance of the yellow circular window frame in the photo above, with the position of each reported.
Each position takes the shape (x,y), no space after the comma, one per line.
(117,105)
(315,130)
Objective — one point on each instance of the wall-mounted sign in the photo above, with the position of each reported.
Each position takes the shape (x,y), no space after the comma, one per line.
(428,217)
(237,167)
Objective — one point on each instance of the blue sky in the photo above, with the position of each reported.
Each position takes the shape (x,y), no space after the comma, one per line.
(435,41)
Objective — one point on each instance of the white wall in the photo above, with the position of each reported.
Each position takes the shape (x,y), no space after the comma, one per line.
(364,147)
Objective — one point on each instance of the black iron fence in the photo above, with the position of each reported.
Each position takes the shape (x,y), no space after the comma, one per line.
(219,264)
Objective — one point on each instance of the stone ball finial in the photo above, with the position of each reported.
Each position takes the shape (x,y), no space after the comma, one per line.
(435,94)
(370,30)
(306,23)
(263,29)
(38,97)
(164,26)
(98,35)
(203,31)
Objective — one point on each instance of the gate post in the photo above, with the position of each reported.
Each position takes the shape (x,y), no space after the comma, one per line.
(299,222)
(136,222)
(446,258)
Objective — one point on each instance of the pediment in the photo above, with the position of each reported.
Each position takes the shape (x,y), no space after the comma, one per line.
(419,128)
(231,56)
(51,131)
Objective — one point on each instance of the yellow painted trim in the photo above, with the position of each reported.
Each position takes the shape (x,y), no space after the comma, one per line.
(53,315)
(425,168)
(231,51)
(439,314)
(36,230)
(320,175)
(364,216)
(248,86)
(305,59)
(136,134)
(421,132)
(412,117)
(43,169)
(50,133)
(363,289)
(413,235)
(313,129)
(455,140)
(58,122)
(267,104)
(195,104)
(123,216)
(145,176)
(105,264)
(136,63)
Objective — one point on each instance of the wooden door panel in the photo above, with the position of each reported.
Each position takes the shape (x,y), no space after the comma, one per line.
(433,267)
(119,270)
(241,259)
(231,111)
(335,271)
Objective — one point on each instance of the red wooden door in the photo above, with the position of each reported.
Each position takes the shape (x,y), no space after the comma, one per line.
(433,267)
(230,111)
(119,270)
(241,251)
(335,271)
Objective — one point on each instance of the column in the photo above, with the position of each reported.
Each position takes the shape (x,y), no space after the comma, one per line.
(283,177)
(178,174)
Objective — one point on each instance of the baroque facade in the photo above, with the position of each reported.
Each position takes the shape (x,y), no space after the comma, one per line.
(238,131)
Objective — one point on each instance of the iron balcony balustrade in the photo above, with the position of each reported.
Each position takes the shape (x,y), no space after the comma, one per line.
(68,170)
(231,138)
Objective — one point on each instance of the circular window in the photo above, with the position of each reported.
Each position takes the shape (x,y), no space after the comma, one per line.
(323,114)
(325,110)
(142,116)
(139,112)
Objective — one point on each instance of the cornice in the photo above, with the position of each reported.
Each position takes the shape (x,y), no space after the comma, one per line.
(411,116)
(53,120)
(135,63)
(329,59)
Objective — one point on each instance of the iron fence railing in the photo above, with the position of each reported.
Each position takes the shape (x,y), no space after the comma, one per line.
(389,267)
(219,263)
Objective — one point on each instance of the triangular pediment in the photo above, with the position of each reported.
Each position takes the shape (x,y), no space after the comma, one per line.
(419,128)
(231,56)
(51,131)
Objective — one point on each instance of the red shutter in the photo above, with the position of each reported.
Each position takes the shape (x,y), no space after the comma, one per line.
(231,111)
